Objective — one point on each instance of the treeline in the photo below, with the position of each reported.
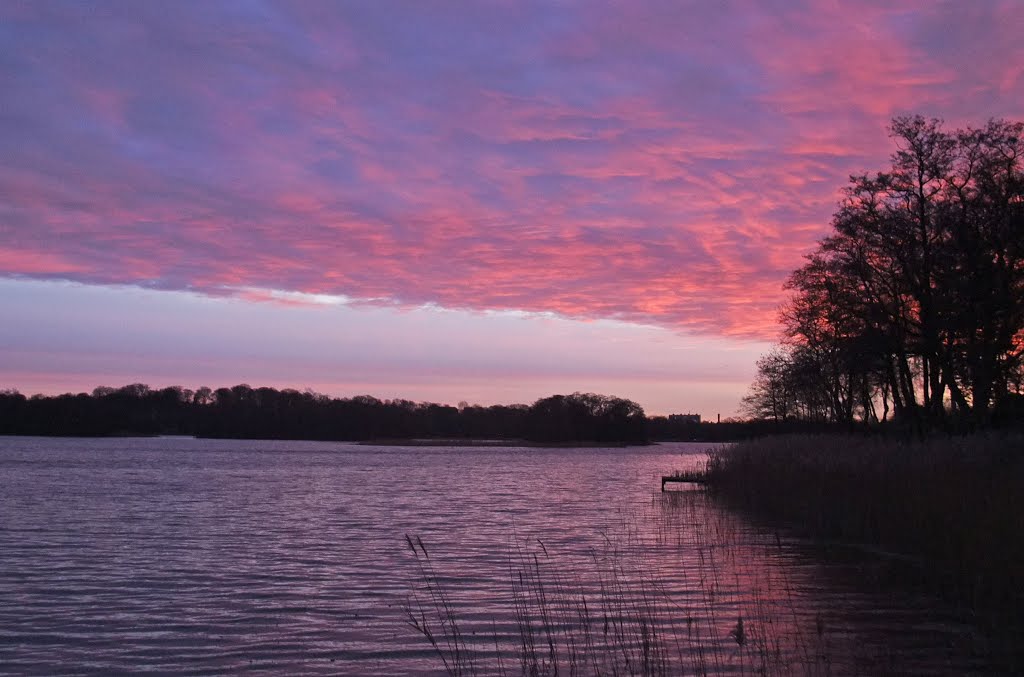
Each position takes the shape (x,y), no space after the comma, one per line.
(243,412)
(663,429)
(912,309)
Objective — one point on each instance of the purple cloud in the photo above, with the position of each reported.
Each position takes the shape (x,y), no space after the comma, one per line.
(658,162)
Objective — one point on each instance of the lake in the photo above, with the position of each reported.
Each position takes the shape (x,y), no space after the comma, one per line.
(209,556)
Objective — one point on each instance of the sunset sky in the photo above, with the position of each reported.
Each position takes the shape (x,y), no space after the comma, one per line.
(446,201)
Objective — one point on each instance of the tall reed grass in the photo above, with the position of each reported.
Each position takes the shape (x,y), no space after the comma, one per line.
(955,504)
(733,613)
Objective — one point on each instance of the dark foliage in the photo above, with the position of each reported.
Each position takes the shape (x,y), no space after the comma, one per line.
(663,429)
(244,412)
(585,416)
(954,503)
(913,307)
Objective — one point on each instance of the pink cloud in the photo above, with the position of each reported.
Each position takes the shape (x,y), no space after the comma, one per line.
(20,262)
(665,165)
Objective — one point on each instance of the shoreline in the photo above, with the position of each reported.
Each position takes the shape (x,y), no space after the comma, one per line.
(580,444)
(949,508)
(384,442)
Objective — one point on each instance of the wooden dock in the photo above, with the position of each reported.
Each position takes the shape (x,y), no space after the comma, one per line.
(685,478)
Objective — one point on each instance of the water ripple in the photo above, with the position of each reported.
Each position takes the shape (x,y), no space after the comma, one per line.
(204,557)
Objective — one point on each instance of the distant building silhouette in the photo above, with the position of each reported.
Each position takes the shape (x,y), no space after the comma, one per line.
(684,418)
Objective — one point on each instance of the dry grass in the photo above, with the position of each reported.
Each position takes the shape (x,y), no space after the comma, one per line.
(613,615)
(956,504)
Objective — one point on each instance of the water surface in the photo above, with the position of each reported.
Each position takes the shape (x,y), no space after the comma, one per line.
(208,556)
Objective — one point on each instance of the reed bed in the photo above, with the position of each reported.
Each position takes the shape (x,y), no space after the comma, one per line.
(956,505)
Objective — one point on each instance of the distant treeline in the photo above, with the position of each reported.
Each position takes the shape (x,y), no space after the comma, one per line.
(243,412)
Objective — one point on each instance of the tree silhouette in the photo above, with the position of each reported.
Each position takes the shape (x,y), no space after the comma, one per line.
(917,296)
(266,413)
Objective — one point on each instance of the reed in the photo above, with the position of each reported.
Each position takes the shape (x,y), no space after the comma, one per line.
(429,611)
(952,508)
(955,505)
(613,615)
(561,626)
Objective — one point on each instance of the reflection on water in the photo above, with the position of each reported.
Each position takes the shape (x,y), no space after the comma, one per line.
(291,557)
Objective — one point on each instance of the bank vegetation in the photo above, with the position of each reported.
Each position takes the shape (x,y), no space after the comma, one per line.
(912,309)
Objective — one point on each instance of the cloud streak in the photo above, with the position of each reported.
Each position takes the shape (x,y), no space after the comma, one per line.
(662,163)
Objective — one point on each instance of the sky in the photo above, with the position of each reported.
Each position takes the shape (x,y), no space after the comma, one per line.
(487,202)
